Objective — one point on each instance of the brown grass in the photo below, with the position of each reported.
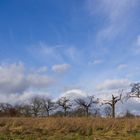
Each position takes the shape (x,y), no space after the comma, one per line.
(87,128)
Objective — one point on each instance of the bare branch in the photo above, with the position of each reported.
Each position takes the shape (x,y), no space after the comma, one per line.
(65,104)
(86,103)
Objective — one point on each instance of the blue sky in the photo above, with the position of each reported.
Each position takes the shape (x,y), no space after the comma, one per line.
(55,46)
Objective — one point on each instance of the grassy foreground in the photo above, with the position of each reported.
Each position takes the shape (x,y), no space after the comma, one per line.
(69,129)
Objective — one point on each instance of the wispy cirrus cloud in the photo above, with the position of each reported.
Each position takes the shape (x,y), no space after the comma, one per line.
(58,53)
(97,61)
(115,14)
(122,66)
(136,45)
(60,68)
(138,40)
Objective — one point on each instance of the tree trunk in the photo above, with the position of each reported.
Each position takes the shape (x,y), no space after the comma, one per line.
(87,111)
(113,110)
(65,112)
(48,114)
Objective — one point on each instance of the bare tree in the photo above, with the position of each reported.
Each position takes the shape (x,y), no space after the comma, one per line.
(113,102)
(107,111)
(5,109)
(86,103)
(47,105)
(78,112)
(128,114)
(96,112)
(135,91)
(25,110)
(65,104)
(36,106)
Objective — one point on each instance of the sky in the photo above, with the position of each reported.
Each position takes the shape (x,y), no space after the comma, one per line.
(77,47)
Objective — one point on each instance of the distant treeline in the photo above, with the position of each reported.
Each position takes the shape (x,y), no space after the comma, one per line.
(81,106)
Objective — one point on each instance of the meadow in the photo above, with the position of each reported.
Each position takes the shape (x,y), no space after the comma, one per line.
(66,128)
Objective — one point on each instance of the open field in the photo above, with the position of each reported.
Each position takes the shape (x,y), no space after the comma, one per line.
(69,129)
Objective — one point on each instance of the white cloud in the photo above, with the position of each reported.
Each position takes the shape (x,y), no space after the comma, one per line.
(39,81)
(122,66)
(25,97)
(61,67)
(113,84)
(73,93)
(14,78)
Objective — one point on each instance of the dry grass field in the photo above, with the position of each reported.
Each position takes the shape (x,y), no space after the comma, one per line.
(69,129)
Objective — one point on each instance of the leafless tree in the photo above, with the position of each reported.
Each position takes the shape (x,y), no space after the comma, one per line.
(78,112)
(113,102)
(96,112)
(47,105)
(128,114)
(25,110)
(135,91)
(5,109)
(36,106)
(65,104)
(86,103)
(107,111)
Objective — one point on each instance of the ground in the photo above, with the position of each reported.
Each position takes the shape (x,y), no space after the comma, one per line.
(65,128)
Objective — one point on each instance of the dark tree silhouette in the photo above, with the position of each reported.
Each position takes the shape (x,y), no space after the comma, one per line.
(65,104)
(107,111)
(113,102)
(128,114)
(86,103)
(25,110)
(5,109)
(135,90)
(36,106)
(47,105)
